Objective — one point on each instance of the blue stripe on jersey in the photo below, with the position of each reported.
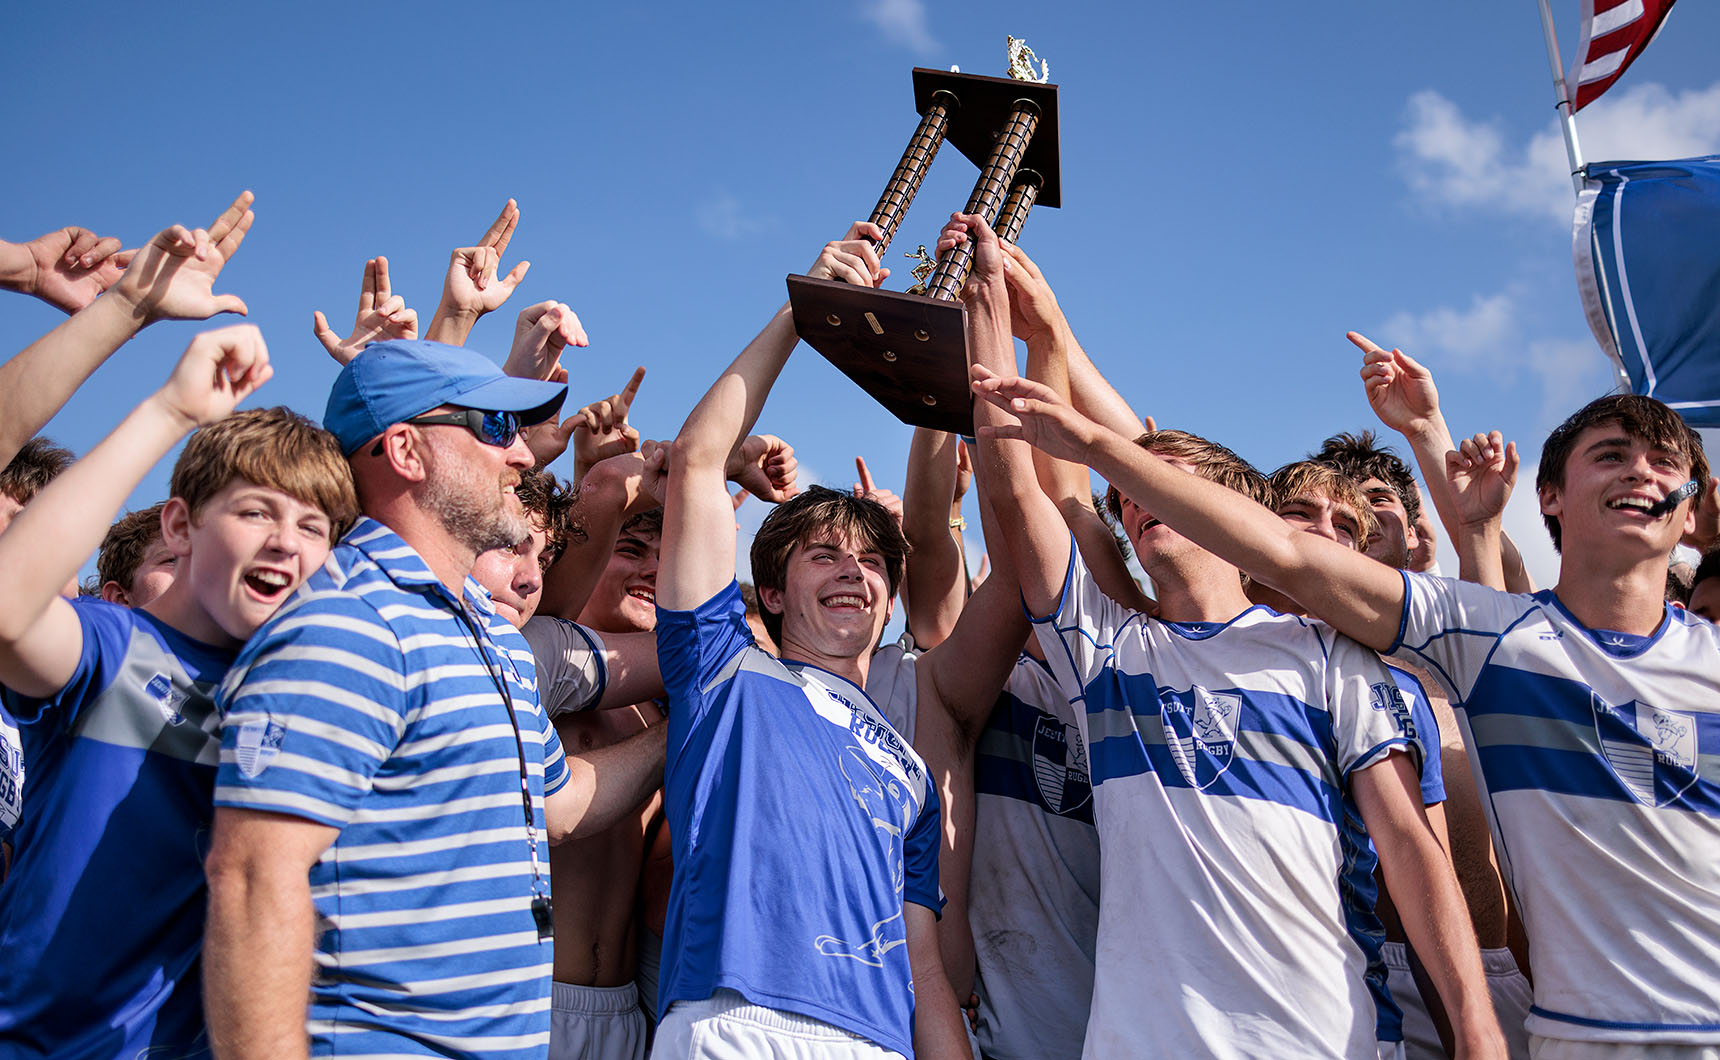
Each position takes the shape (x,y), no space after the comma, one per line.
(1028,755)
(1536,732)
(1267,760)
(1581,1021)
(368,703)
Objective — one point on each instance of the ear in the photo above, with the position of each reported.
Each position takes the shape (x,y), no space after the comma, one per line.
(770,600)
(176,526)
(114,593)
(404,450)
(1551,502)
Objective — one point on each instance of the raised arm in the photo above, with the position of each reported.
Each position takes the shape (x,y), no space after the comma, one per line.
(1360,597)
(1403,396)
(606,784)
(170,278)
(40,637)
(1038,320)
(936,584)
(472,287)
(1030,526)
(1479,476)
(698,550)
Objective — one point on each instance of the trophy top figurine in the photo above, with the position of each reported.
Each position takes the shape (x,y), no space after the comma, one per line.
(1021,60)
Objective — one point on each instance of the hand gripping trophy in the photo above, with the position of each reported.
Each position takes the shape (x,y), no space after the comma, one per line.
(908,349)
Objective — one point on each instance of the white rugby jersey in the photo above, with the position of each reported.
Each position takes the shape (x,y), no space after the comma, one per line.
(1598,757)
(1220,756)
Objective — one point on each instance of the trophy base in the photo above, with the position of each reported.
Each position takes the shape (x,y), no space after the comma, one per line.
(908,351)
(985,106)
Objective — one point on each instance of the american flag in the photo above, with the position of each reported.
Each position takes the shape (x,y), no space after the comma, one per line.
(1615,32)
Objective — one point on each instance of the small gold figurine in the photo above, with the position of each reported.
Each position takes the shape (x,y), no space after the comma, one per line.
(1021,60)
(923,271)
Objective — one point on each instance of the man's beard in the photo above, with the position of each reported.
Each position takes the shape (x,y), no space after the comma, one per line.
(473,512)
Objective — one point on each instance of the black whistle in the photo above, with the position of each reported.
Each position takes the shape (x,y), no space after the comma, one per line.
(1675,498)
(544,916)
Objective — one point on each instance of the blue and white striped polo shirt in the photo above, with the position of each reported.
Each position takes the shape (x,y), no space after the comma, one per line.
(1221,756)
(1598,756)
(366,704)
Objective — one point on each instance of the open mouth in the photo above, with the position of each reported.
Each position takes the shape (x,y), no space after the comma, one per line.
(1641,505)
(270,585)
(845,602)
(644,595)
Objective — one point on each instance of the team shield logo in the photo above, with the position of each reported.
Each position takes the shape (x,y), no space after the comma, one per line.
(1060,766)
(168,698)
(1200,732)
(259,744)
(1653,751)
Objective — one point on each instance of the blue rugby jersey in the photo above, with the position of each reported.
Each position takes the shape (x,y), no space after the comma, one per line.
(801,824)
(101,920)
(1598,758)
(365,704)
(1221,755)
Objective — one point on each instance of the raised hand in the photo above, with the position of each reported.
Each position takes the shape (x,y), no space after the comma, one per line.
(1707,512)
(1033,310)
(173,276)
(66,268)
(866,488)
(988,257)
(1400,390)
(600,429)
(1045,422)
(218,370)
(381,315)
(964,473)
(764,466)
(1481,472)
(853,258)
(472,288)
(656,477)
(540,334)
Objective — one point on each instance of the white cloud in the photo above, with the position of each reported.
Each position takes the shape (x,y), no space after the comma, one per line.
(721,215)
(903,22)
(1471,336)
(1453,160)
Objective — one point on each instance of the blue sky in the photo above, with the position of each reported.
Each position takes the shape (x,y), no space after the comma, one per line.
(1241,184)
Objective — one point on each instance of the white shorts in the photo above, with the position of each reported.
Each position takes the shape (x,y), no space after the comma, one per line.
(1564,1049)
(726,1026)
(1511,997)
(595,1023)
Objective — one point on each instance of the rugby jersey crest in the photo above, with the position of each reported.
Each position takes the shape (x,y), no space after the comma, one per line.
(366,704)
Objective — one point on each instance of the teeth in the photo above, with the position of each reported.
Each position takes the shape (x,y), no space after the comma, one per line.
(1635,503)
(641,594)
(270,577)
(845,601)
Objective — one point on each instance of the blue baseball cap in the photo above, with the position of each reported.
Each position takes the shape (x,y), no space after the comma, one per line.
(393,381)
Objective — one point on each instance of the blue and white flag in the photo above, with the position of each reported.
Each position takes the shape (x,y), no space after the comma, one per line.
(1646,240)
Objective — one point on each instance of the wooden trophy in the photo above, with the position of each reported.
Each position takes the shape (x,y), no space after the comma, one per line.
(909,350)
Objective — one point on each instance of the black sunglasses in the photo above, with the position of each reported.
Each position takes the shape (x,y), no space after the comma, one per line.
(492,428)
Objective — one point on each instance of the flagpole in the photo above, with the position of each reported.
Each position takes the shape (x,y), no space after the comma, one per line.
(1567,119)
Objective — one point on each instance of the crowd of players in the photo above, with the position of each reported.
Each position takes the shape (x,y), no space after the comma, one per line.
(376,738)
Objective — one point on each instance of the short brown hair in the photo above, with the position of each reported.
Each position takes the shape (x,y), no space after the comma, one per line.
(549,502)
(1302,477)
(1211,461)
(1360,457)
(1639,417)
(820,509)
(123,548)
(275,448)
(39,462)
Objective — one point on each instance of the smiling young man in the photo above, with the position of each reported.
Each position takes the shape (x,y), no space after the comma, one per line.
(802,916)
(1590,710)
(102,920)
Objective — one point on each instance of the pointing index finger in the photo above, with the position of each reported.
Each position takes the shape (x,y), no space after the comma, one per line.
(631,389)
(865,475)
(1362,342)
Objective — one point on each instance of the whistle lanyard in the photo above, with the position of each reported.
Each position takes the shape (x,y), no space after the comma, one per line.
(541,908)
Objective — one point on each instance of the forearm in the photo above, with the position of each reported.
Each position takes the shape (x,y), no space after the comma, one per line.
(727,412)
(610,495)
(1517,576)
(451,325)
(936,582)
(607,784)
(52,537)
(938,1031)
(1094,396)
(1478,554)
(17,267)
(36,383)
(257,964)
(947,745)
(1429,440)
(1436,920)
